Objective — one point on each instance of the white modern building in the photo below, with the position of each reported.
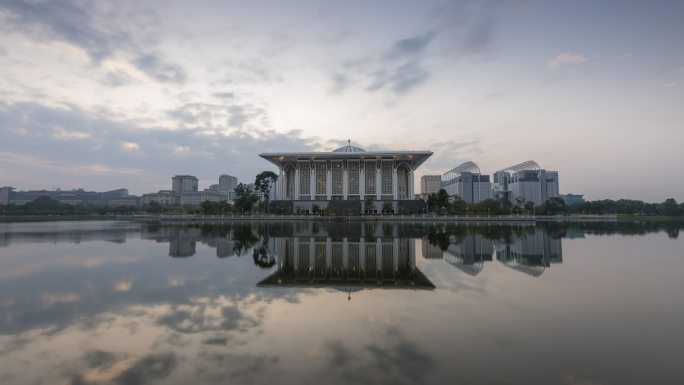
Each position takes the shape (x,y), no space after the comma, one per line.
(163,197)
(429,184)
(467,183)
(526,182)
(195,198)
(346,174)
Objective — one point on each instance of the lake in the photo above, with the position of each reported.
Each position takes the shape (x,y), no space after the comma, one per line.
(100,302)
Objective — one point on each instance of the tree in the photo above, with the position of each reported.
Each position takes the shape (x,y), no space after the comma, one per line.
(263,183)
(154,208)
(244,198)
(387,208)
(438,201)
(552,206)
(520,201)
(529,206)
(210,208)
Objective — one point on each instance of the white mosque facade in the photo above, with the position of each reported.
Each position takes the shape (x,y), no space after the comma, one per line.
(346,174)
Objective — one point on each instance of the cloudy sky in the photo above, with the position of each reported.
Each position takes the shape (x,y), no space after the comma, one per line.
(102,95)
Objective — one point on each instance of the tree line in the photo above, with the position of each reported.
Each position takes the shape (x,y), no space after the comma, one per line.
(441,203)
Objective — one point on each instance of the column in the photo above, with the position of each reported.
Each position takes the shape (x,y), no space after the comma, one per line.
(328,253)
(328,182)
(345,253)
(312,252)
(362,181)
(411,193)
(295,252)
(281,190)
(296,186)
(378,181)
(345,182)
(362,254)
(395,187)
(378,255)
(395,254)
(312,181)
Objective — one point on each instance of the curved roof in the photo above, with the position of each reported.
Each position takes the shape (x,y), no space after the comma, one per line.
(349,148)
(529,165)
(456,171)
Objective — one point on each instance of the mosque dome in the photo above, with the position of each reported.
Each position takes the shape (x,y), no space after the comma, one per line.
(349,148)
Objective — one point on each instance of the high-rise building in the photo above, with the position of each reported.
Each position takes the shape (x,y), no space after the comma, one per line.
(184,183)
(5,195)
(526,182)
(429,184)
(227,182)
(467,183)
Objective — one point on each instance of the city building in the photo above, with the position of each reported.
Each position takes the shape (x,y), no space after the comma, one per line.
(184,183)
(348,177)
(571,199)
(467,183)
(227,182)
(429,184)
(130,200)
(195,198)
(526,182)
(163,197)
(5,194)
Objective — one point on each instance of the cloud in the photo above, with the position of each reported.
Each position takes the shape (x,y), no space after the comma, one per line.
(393,359)
(42,146)
(410,46)
(156,68)
(63,20)
(117,79)
(123,286)
(234,368)
(566,58)
(397,70)
(130,146)
(148,368)
(223,95)
(99,29)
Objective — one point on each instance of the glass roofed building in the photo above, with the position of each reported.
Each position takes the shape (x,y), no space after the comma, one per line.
(348,174)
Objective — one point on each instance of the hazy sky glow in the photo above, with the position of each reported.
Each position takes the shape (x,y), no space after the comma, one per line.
(126,94)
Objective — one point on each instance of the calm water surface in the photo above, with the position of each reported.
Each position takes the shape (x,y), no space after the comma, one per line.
(338,303)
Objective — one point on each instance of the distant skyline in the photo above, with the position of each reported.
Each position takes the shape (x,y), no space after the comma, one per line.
(105,95)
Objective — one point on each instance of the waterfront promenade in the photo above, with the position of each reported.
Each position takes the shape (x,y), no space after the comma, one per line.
(375,218)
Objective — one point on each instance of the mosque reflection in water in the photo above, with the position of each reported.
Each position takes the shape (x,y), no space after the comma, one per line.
(369,255)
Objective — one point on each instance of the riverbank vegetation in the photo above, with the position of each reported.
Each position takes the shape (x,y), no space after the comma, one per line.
(248,201)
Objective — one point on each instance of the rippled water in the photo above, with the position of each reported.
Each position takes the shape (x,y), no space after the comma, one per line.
(328,303)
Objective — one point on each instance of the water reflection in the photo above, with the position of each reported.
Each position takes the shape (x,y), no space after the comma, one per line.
(139,303)
(530,253)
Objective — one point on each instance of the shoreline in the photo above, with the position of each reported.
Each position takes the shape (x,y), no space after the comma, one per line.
(358,218)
